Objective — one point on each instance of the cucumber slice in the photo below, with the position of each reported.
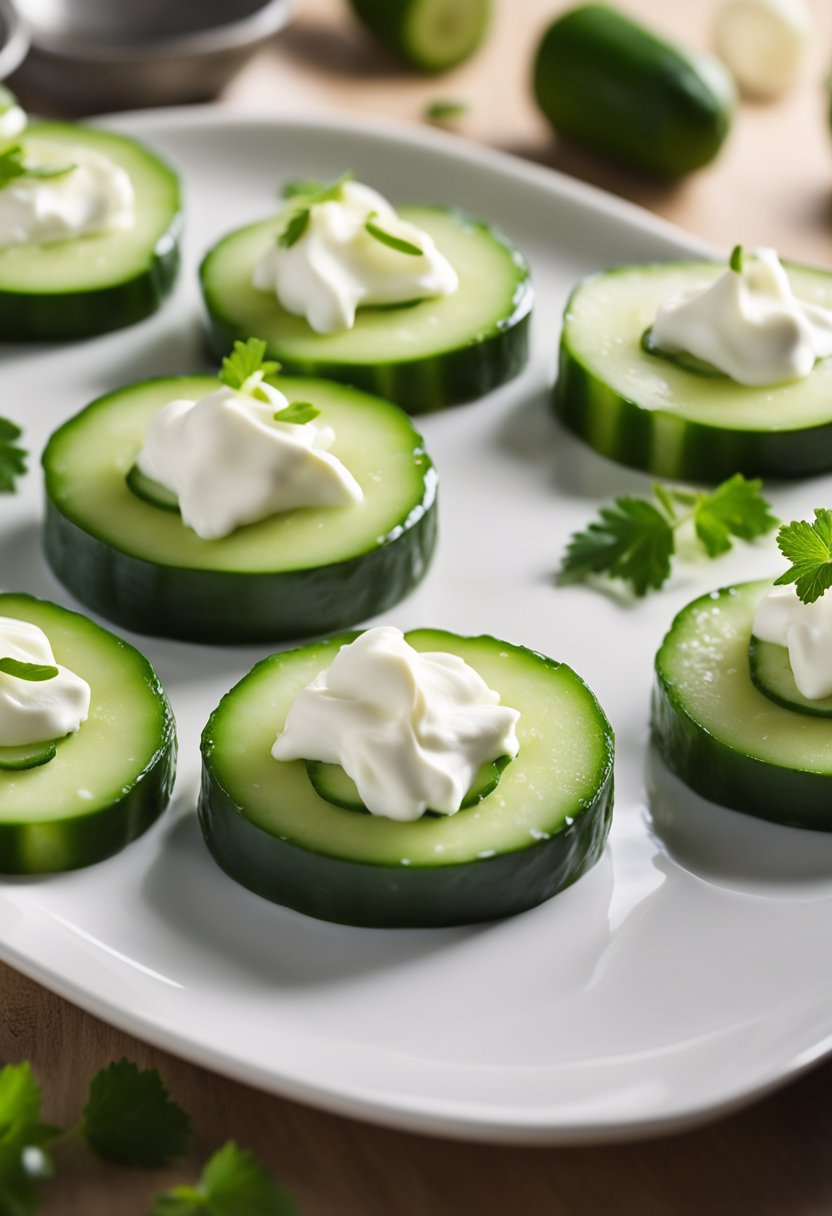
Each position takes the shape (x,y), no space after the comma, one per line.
(771,672)
(541,828)
(651,414)
(431,354)
(109,781)
(333,784)
(296,574)
(103,281)
(151,491)
(721,735)
(32,755)
(605,81)
(430,35)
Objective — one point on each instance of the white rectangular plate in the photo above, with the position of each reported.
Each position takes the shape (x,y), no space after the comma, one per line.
(688,971)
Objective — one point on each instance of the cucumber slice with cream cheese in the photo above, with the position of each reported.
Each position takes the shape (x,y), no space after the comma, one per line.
(333,784)
(725,738)
(423,355)
(102,281)
(293,575)
(107,783)
(539,830)
(651,413)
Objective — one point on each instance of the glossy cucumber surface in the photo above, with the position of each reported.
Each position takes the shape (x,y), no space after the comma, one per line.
(430,35)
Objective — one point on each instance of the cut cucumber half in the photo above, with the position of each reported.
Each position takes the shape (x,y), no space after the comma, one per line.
(102,281)
(30,755)
(151,491)
(723,737)
(650,414)
(542,827)
(428,355)
(107,782)
(771,672)
(296,574)
(430,35)
(333,784)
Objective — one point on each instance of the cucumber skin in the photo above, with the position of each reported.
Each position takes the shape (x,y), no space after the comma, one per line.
(216,606)
(376,896)
(822,708)
(387,20)
(605,81)
(700,452)
(727,776)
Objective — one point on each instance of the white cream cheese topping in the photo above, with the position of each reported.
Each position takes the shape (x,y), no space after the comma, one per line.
(336,265)
(805,630)
(95,196)
(35,711)
(230,463)
(747,323)
(763,43)
(411,729)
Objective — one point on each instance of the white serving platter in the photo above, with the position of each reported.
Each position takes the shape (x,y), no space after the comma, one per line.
(688,972)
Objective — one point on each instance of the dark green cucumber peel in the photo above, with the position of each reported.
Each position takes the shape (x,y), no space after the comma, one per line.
(332,783)
(493,352)
(221,605)
(29,755)
(46,837)
(390,893)
(612,85)
(771,673)
(67,311)
(664,441)
(430,41)
(717,768)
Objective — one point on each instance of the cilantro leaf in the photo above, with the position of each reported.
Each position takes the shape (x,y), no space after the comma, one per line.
(298,412)
(445,109)
(631,540)
(297,224)
(387,238)
(12,458)
(246,360)
(129,1117)
(808,546)
(233,1183)
(735,508)
(36,673)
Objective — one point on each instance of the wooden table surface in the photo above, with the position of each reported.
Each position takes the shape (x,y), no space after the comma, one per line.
(773,185)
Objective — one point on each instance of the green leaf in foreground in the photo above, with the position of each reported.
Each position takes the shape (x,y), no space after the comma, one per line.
(298,412)
(22,1135)
(392,242)
(12,458)
(634,538)
(233,1183)
(36,673)
(445,109)
(247,359)
(129,1117)
(808,546)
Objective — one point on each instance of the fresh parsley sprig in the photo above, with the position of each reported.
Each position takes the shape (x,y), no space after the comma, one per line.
(12,458)
(13,166)
(633,539)
(233,1183)
(305,195)
(808,546)
(246,367)
(387,238)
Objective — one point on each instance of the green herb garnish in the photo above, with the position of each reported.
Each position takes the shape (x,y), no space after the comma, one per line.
(445,109)
(387,238)
(35,673)
(298,412)
(233,1183)
(12,458)
(634,538)
(307,194)
(246,367)
(13,166)
(130,1118)
(737,259)
(808,546)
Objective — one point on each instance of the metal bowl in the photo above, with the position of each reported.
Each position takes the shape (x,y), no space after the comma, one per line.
(14,41)
(94,54)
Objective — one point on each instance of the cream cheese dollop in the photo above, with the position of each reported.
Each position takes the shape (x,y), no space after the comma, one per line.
(96,195)
(806,632)
(35,711)
(336,265)
(230,463)
(410,728)
(747,323)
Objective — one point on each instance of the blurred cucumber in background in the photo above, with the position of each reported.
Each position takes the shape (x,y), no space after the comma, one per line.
(430,35)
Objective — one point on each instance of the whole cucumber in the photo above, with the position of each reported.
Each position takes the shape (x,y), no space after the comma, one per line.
(430,35)
(605,81)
